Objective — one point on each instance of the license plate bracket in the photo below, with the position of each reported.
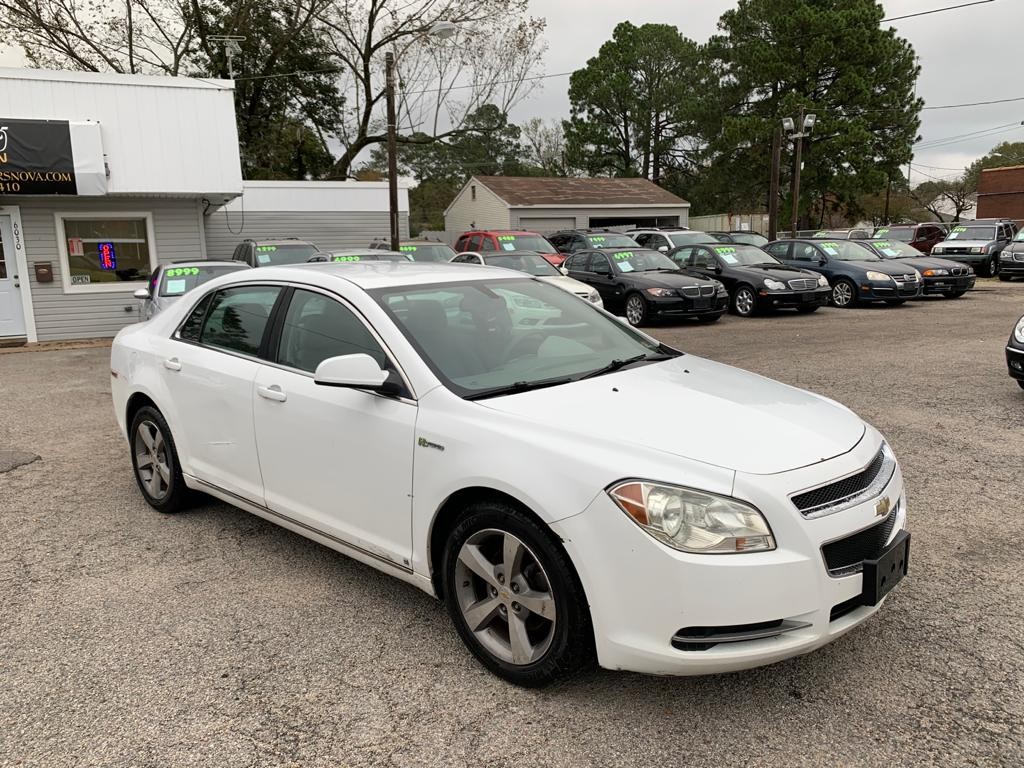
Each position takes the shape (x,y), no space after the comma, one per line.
(883,574)
(702,303)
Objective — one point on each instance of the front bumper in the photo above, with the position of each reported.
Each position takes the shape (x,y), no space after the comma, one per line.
(889,291)
(672,306)
(642,593)
(973,259)
(1015,363)
(1011,267)
(947,284)
(790,299)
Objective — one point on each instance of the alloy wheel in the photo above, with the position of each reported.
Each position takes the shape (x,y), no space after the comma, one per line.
(505,597)
(151,461)
(842,294)
(744,302)
(635,310)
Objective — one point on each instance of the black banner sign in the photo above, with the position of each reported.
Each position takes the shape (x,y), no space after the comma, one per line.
(36,158)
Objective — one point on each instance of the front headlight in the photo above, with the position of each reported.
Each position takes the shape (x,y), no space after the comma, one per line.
(917,276)
(594,297)
(720,289)
(978,249)
(935,272)
(880,276)
(1004,256)
(663,292)
(1018,332)
(774,285)
(822,281)
(693,521)
(937,249)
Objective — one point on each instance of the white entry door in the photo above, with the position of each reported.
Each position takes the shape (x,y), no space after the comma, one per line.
(12,318)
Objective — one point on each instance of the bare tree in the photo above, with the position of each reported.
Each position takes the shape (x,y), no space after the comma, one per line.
(946,199)
(544,146)
(491,60)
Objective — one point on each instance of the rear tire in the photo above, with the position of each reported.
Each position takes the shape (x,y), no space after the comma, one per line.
(497,560)
(155,462)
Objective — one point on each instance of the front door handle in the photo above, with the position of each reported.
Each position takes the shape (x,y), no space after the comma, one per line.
(273,392)
(172,364)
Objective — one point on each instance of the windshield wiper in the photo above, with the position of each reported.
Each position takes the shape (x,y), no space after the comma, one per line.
(616,365)
(516,387)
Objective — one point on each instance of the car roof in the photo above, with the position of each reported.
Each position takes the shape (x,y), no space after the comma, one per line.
(280,241)
(361,252)
(382,274)
(206,263)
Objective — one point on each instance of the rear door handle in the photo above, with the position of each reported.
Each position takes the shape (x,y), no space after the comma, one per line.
(172,364)
(273,392)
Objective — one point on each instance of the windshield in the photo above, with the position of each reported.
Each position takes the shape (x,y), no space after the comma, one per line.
(895,249)
(611,240)
(972,233)
(641,260)
(427,251)
(484,336)
(743,255)
(365,256)
(848,250)
(1020,237)
(525,243)
(749,238)
(530,263)
(690,238)
(284,253)
(179,280)
(903,234)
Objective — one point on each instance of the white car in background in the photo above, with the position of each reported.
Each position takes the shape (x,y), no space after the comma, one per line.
(532,263)
(572,490)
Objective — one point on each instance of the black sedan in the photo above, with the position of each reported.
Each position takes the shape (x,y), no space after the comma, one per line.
(756,280)
(1011,260)
(646,285)
(1015,353)
(941,277)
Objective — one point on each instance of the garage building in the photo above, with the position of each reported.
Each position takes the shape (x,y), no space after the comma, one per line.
(547,204)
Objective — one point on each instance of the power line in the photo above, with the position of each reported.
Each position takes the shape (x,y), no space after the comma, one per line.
(937,10)
(976,103)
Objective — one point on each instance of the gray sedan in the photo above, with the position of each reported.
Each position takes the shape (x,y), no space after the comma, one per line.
(170,282)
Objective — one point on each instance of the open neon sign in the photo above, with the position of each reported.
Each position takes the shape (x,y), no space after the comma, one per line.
(108,259)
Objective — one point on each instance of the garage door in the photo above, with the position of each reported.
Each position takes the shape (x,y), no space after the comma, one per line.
(544,224)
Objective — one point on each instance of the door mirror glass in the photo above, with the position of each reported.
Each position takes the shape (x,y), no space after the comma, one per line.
(663,248)
(563,270)
(359,371)
(141,293)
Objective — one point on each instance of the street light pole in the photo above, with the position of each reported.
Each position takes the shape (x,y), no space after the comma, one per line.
(797,160)
(389,66)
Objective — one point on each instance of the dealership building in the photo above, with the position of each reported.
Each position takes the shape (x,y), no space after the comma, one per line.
(105,176)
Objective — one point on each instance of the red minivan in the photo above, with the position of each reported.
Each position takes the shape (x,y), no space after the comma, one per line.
(484,240)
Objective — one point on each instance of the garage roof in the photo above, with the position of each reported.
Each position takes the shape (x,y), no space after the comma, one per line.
(541,191)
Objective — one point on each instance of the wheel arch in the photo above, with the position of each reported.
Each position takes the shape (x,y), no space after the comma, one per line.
(136,402)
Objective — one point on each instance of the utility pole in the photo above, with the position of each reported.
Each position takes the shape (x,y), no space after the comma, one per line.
(773,186)
(797,161)
(389,65)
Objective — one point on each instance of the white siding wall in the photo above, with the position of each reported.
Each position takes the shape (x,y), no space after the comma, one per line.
(583,215)
(488,211)
(178,233)
(330,230)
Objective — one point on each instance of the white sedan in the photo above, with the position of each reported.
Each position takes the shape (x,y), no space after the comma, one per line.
(573,490)
(531,263)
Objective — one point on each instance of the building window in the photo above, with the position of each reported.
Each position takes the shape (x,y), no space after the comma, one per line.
(472,192)
(106,252)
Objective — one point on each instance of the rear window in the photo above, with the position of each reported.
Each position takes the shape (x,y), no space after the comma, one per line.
(903,234)
(972,233)
(284,253)
(177,281)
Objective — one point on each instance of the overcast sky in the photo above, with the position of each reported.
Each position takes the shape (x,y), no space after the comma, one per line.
(967,55)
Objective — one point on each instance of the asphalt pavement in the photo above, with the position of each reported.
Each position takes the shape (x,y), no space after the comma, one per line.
(213,638)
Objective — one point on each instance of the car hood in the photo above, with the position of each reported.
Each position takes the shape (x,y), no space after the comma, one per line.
(567,284)
(962,243)
(698,409)
(666,279)
(780,272)
(886,266)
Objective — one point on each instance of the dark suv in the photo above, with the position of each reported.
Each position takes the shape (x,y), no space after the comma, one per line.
(978,244)
(923,236)
(274,252)
(572,240)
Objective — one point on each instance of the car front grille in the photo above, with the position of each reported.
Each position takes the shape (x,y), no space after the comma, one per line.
(907,278)
(1018,256)
(958,270)
(848,491)
(847,555)
(803,284)
(954,249)
(695,291)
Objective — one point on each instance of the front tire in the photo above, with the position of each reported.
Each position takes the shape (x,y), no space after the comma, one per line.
(155,462)
(514,597)
(989,268)
(744,301)
(636,310)
(844,294)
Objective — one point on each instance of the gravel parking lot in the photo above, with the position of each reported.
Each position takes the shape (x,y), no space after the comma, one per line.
(213,638)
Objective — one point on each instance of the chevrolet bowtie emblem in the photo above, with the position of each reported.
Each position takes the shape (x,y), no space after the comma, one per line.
(882,507)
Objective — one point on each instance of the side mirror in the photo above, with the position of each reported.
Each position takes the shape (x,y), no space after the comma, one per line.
(563,270)
(821,260)
(141,294)
(663,248)
(718,269)
(358,371)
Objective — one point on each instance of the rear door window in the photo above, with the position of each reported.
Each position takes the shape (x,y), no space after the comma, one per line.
(778,250)
(238,318)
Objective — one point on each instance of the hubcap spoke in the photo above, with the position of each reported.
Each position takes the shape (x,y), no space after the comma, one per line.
(512,556)
(481,614)
(540,603)
(164,472)
(522,648)
(144,461)
(474,559)
(147,436)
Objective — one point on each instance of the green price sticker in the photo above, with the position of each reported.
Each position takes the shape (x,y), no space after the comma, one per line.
(959,229)
(598,239)
(725,250)
(820,234)
(266,248)
(883,243)
(881,232)
(346,258)
(407,248)
(623,255)
(182,271)
(506,238)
